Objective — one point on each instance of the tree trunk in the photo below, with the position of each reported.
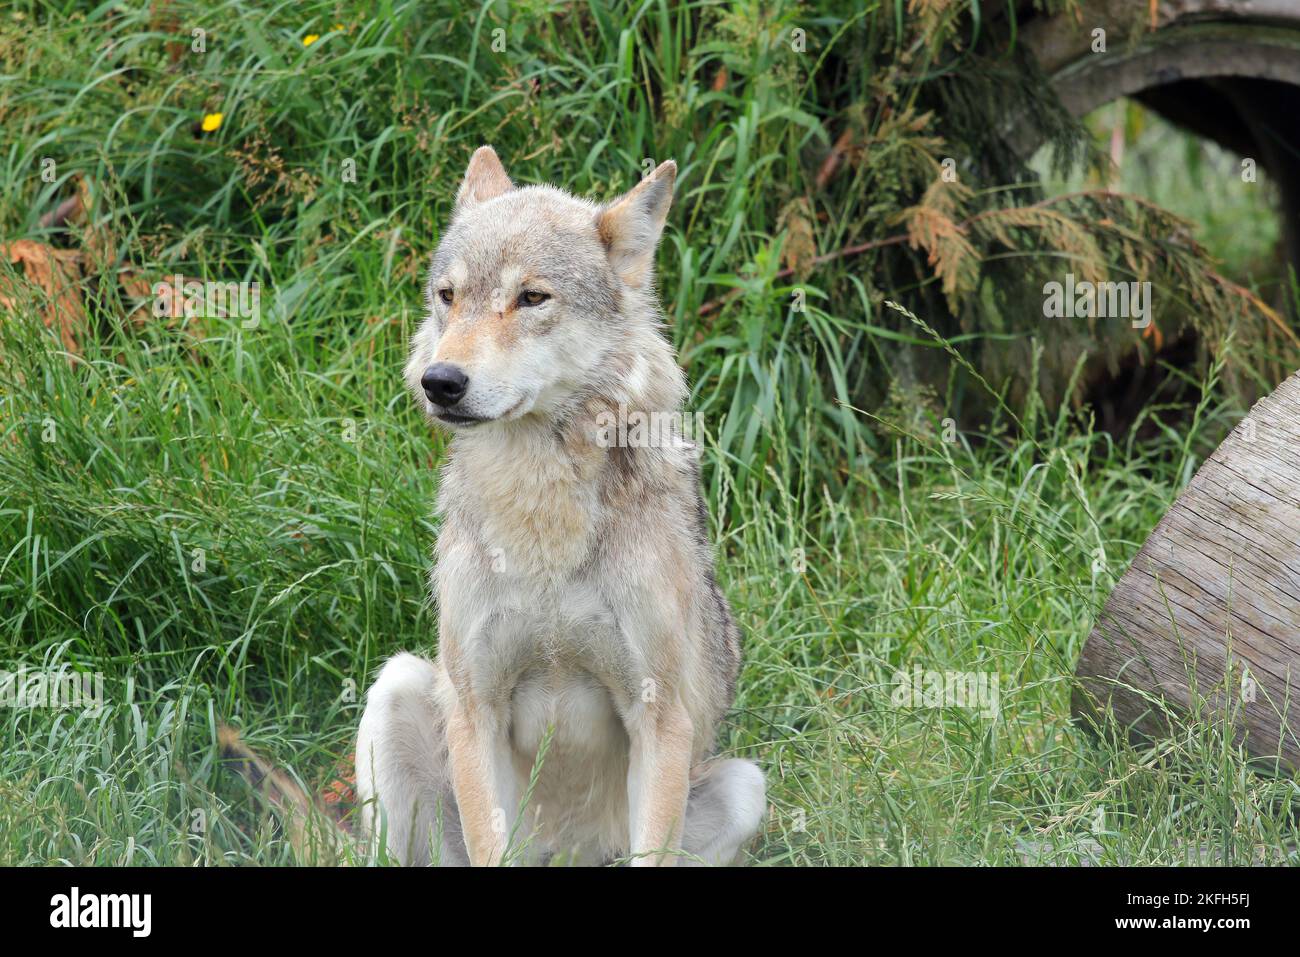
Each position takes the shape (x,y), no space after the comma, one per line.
(1207,618)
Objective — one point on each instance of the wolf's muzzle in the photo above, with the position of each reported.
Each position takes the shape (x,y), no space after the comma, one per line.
(445,384)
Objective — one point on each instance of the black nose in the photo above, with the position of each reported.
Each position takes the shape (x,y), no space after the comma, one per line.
(444,383)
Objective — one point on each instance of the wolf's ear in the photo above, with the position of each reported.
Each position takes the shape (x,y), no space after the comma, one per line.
(630,225)
(485,178)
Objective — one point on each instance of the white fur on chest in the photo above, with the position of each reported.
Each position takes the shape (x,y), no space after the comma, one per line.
(566,656)
(579,804)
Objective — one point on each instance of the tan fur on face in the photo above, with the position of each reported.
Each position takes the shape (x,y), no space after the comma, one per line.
(461,343)
(465,341)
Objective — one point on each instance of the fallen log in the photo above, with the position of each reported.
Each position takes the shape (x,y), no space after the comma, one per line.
(1206,620)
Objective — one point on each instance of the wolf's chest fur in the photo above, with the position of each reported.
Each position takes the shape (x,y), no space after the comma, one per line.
(538,511)
(538,625)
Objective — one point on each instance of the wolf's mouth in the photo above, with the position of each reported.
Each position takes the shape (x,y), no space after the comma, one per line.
(451,418)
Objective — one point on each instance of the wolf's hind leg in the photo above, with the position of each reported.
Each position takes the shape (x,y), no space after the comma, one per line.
(402,769)
(723,811)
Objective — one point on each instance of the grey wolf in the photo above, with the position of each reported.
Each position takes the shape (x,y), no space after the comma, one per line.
(578,612)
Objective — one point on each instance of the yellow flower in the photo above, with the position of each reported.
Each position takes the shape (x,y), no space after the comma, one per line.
(212,122)
(339,27)
(310,38)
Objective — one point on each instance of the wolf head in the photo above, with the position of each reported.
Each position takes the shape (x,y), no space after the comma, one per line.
(537,300)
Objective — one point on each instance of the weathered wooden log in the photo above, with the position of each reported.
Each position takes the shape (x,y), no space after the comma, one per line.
(1207,618)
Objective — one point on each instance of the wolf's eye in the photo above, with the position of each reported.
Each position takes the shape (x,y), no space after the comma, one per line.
(530,297)
(445,295)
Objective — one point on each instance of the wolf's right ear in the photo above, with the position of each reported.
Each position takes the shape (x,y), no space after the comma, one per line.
(485,178)
(630,225)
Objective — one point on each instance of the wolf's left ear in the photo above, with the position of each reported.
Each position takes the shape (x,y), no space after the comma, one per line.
(485,178)
(630,225)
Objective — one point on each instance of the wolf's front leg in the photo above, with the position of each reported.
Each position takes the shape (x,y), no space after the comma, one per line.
(483,778)
(658,781)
